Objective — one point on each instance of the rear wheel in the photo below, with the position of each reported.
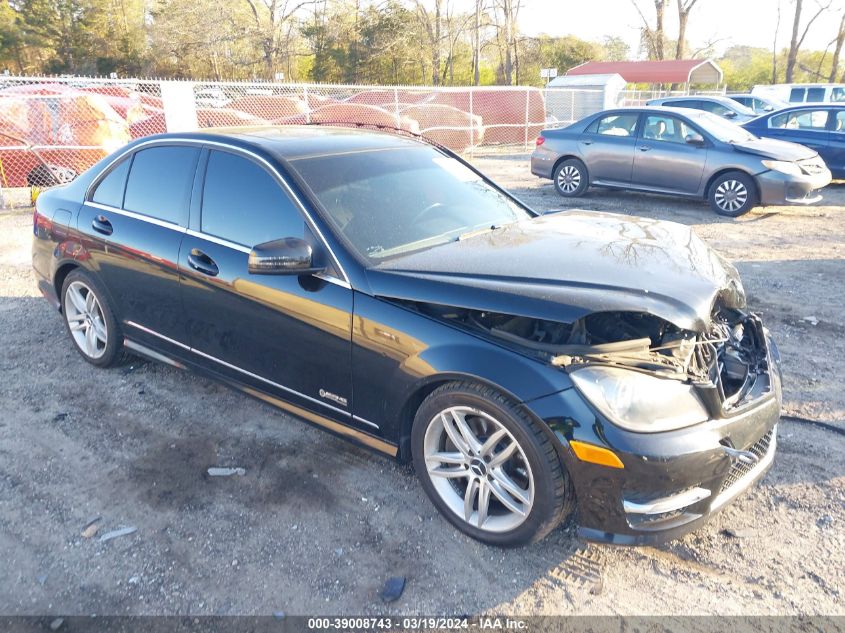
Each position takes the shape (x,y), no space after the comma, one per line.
(733,194)
(488,467)
(90,320)
(571,178)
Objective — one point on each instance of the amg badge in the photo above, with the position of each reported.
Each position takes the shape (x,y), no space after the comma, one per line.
(328,395)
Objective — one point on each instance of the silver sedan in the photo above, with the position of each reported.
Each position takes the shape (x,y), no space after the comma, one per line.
(681,152)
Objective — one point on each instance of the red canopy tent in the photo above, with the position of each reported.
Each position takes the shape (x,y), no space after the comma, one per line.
(670,71)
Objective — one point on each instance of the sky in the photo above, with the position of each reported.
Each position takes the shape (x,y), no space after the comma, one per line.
(739,22)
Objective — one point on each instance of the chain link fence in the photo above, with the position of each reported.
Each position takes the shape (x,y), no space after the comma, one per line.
(52,129)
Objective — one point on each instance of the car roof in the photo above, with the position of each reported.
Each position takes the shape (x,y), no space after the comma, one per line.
(687,112)
(292,142)
(717,98)
(820,105)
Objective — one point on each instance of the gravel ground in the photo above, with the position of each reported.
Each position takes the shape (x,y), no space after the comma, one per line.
(316,526)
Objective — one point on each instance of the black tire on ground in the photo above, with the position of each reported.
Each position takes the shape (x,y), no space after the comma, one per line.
(733,194)
(554,497)
(571,178)
(113,352)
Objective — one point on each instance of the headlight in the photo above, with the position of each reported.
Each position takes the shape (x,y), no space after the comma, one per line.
(639,402)
(784,167)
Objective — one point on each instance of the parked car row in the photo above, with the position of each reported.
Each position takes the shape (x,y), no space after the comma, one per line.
(691,150)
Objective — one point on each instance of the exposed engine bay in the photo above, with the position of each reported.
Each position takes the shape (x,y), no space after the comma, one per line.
(727,358)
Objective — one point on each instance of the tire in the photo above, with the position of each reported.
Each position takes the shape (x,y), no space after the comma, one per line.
(91,323)
(732,194)
(545,496)
(571,178)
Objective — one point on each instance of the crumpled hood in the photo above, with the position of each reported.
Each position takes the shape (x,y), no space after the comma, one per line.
(564,266)
(775,149)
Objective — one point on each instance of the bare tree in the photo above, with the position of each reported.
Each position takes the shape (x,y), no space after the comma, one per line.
(684,8)
(507,37)
(271,24)
(432,23)
(797,40)
(476,45)
(654,36)
(775,49)
(837,51)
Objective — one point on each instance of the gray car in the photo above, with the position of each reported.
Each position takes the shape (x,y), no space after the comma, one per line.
(759,105)
(721,106)
(681,152)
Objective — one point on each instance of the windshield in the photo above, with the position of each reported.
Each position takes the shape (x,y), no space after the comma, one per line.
(391,201)
(722,129)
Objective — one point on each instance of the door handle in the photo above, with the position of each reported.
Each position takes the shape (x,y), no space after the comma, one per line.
(587,142)
(202,262)
(102,225)
(643,148)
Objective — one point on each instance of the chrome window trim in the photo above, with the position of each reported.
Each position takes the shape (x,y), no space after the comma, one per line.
(201,143)
(219,240)
(137,216)
(248,373)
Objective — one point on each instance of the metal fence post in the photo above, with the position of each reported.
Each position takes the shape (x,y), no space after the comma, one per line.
(396,106)
(307,105)
(471,124)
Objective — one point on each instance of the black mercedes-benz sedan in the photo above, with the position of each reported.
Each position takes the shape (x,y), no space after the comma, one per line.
(530,367)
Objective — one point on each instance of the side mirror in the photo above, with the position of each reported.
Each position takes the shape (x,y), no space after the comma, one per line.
(287,256)
(694,139)
(730,114)
(768,108)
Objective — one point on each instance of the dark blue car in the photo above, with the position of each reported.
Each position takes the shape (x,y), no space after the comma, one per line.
(819,126)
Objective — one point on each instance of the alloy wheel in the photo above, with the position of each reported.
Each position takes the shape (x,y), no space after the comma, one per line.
(731,195)
(85,320)
(569,179)
(478,469)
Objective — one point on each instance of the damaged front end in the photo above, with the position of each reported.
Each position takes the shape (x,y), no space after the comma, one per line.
(723,364)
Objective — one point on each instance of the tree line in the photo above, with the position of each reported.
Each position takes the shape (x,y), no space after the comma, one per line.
(437,42)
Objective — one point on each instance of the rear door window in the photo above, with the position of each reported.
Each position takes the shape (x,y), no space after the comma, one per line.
(803,120)
(685,103)
(111,188)
(714,107)
(616,125)
(839,122)
(243,203)
(160,180)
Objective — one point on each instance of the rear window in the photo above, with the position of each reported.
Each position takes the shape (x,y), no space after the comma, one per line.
(111,188)
(160,182)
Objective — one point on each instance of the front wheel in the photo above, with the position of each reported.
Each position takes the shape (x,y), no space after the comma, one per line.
(488,467)
(732,194)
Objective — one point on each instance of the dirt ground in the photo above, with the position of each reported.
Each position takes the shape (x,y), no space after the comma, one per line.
(316,526)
